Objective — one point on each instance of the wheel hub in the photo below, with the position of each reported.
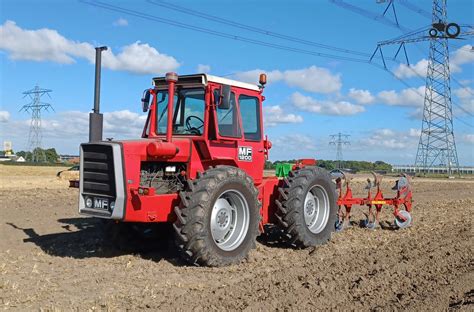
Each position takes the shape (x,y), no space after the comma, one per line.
(316,209)
(229,220)
(222,218)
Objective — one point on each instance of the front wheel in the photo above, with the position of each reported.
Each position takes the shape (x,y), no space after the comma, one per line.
(217,220)
(307,208)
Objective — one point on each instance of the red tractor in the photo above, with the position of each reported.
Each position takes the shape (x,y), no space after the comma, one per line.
(199,166)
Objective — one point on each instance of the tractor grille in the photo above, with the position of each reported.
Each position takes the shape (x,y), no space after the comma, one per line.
(98,170)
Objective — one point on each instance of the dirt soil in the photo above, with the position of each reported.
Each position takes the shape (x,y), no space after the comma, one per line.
(53,259)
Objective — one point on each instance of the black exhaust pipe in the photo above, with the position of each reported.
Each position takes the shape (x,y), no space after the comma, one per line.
(96,119)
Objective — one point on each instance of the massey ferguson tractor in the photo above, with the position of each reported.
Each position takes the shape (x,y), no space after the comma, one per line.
(199,166)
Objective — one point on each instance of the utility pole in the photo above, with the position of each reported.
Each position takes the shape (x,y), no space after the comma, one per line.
(339,140)
(436,146)
(35,107)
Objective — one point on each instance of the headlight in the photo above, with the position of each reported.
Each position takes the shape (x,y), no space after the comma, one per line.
(112,205)
(88,202)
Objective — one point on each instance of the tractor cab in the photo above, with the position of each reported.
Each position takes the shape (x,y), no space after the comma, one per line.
(218,116)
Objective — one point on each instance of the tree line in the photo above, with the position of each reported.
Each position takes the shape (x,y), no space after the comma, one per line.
(352,165)
(51,155)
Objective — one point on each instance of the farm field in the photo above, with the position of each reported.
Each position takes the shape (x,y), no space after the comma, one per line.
(53,258)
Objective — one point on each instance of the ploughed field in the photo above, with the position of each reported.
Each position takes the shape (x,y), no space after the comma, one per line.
(52,258)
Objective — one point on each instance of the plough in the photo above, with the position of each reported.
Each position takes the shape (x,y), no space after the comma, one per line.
(345,201)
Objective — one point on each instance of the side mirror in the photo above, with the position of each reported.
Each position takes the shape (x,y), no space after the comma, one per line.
(146,100)
(223,99)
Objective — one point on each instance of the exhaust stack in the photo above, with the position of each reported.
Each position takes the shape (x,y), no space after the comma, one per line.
(96,119)
(171,79)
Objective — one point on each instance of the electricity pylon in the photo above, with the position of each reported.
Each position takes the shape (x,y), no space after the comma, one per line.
(339,140)
(436,146)
(35,107)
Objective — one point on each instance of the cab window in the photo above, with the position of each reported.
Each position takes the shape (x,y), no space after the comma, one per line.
(188,112)
(250,112)
(228,120)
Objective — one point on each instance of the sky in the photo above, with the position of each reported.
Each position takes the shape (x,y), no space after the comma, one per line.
(312,92)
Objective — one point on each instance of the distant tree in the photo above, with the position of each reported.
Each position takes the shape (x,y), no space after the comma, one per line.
(50,153)
(269,165)
(26,155)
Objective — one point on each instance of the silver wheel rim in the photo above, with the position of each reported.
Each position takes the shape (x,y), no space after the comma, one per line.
(403,224)
(230,220)
(316,209)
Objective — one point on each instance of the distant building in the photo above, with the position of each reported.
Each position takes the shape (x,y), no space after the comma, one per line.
(433,169)
(20,159)
(69,158)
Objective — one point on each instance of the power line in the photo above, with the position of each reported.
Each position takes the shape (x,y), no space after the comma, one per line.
(379,18)
(217,33)
(262,31)
(236,37)
(415,8)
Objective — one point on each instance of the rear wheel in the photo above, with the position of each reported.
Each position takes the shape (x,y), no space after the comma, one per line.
(218,217)
(307,209)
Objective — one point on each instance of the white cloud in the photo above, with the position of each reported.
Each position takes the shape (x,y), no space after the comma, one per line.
(466,100)
(48,45)
(312,79)
(414,133)
(340,108)
(4,116)
(464,93)
(75,125)
(463,55)
(252,76)
(274,115)
(390,139)
(120,22)
(202,68)
(419,69)
(361,96)
(141,59)
(406,97)
(295,143)
(41,45)
(468,138)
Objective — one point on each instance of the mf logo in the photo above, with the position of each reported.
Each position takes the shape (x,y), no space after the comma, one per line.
(245,153)
(101,203)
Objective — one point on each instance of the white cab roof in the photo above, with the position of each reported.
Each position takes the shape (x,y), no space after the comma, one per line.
(231,82)
(203,79)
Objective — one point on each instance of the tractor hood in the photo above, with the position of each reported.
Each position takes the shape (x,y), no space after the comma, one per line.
(156,149)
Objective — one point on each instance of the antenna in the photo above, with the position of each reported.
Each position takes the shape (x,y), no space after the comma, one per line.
(35,107)
(339,140)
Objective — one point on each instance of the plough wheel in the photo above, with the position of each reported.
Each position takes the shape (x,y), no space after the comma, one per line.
(401,223)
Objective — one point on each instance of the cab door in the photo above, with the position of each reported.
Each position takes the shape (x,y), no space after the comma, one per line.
(251,154)
(238,136)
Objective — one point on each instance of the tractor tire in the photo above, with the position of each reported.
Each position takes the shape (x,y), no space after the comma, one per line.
(218,217)
(306,207)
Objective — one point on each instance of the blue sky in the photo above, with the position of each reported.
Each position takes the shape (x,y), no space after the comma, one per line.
(308,97)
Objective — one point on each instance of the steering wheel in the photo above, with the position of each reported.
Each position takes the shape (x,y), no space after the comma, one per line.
(194,130)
